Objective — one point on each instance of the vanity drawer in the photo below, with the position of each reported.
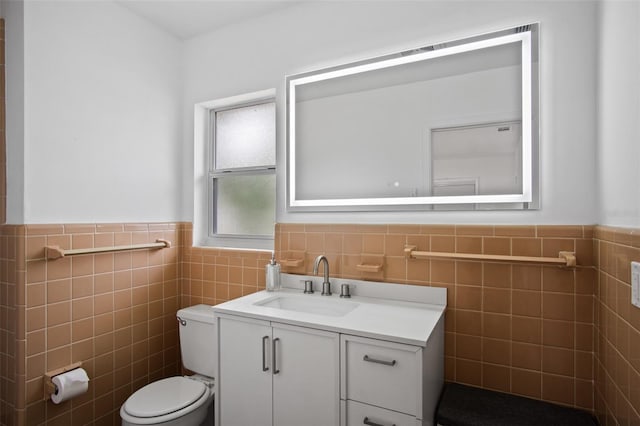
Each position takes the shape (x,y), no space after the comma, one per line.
(359,414)
(382,373)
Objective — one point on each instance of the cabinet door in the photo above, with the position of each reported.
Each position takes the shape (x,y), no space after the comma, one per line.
(306,377)
(243,391)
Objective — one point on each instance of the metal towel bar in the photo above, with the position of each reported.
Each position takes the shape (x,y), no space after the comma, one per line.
(55,252)
(565,258)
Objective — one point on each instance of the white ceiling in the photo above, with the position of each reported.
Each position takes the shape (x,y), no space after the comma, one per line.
(189,18)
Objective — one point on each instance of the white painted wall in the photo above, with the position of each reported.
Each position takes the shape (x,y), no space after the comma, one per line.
(102,122)
(13,13)
(618,153)
(102,94)
(258,54)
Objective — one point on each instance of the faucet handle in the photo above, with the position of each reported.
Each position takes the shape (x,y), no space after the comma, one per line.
(344,291)
(308,287)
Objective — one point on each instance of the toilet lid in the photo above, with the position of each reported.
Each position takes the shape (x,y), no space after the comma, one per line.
(164,396)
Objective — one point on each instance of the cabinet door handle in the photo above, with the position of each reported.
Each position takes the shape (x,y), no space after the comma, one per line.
(379,361)
(368,422)
(265,367)
(275,358)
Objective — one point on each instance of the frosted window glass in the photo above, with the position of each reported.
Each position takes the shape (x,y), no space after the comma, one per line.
(245,137)
(246,204)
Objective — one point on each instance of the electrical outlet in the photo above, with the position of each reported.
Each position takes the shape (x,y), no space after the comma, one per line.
(635,284)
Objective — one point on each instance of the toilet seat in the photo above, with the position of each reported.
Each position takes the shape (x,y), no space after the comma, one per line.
(165,400)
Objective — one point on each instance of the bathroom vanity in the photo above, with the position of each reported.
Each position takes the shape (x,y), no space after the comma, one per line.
(290,358)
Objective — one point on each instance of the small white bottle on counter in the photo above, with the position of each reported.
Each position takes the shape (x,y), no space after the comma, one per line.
(272,274)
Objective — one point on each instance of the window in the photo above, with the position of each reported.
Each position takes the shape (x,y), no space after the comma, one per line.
(234,172)
(242,175)
(234,157)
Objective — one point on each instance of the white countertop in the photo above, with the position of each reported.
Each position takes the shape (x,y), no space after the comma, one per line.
(393,314)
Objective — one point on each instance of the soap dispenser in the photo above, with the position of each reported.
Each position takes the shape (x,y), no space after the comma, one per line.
(272,274)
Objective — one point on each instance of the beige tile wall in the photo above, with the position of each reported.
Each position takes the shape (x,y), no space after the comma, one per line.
(214,276)
(526,330)
(11,361)
(114,312)
(617,328)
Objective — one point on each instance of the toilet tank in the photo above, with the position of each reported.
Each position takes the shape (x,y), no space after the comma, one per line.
(197,339)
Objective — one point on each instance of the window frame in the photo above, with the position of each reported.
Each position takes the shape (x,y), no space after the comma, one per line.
(204,145)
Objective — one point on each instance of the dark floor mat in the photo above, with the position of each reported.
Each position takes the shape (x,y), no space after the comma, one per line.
(462,405)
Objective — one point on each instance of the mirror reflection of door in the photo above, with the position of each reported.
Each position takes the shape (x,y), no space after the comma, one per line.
(476,160)
(454,186)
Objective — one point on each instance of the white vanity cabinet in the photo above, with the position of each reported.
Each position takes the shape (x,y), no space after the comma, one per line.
(276,374)
(287,358)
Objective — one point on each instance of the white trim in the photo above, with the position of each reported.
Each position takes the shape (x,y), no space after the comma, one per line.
(230,101)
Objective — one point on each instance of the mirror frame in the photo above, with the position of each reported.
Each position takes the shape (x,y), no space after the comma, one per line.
(526,35)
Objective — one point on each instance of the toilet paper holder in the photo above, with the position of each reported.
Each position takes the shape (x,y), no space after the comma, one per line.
(49,387)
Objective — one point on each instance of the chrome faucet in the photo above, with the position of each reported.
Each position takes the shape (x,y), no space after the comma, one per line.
(326,285)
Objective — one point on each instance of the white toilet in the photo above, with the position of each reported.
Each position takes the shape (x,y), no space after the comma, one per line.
(181,400)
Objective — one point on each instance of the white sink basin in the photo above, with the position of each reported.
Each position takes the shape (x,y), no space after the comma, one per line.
(310,305)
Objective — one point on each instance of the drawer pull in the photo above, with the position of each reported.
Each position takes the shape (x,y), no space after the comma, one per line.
(275,357)
(264,355)
(379,361)
(368,422)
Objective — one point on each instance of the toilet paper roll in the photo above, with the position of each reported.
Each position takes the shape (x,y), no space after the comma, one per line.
(69,384)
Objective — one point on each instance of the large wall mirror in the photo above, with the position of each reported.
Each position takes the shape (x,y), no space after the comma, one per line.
(442,127)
